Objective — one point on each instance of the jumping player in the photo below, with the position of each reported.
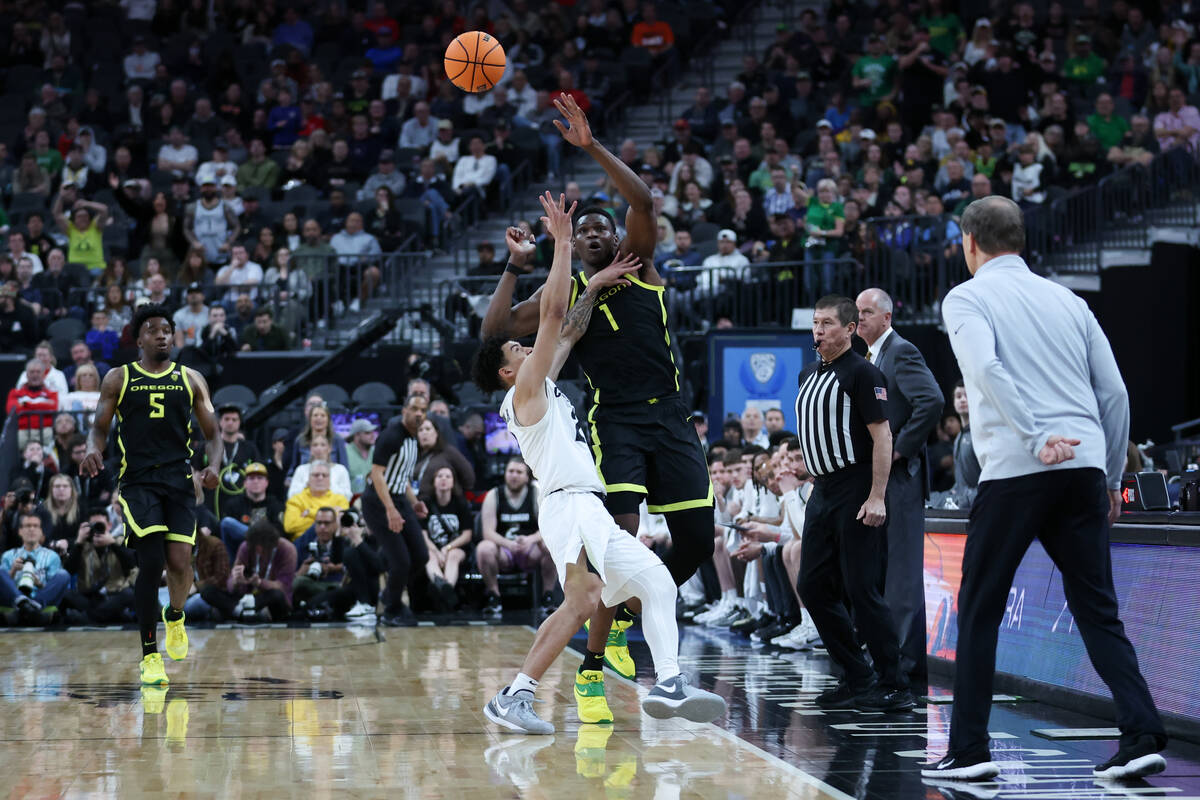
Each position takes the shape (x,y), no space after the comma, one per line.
(596,561)
(154,399)
(642,438)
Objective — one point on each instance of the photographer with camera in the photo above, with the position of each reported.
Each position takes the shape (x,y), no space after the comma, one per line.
(104,571)
(21,499)
(262,575)
(32,580)
(321,572)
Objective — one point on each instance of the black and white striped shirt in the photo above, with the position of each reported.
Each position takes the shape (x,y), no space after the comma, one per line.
(835,404)
(396,451)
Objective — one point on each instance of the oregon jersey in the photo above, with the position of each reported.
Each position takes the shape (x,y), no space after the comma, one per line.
(154,413)
(626,351)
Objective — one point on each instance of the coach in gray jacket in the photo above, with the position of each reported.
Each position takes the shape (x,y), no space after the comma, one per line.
(1050,417)
(914,407)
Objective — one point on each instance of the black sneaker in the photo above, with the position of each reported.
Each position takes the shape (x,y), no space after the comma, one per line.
(976,766)
(548,605)
(446,596)
(492,607)
(1134,760)
(402,617)
(841,696)
(769,632)
(748,626)
(885,699)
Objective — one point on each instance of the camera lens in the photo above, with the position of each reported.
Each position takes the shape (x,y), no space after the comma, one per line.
(97,528)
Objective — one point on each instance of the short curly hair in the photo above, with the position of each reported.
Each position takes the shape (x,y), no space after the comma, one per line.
(149,311)
(485,369)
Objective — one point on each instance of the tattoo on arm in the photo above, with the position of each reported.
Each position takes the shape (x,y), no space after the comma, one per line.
(577,319)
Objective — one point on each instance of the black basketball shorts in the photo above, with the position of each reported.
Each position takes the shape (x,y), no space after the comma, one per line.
(148,509)
(651,450)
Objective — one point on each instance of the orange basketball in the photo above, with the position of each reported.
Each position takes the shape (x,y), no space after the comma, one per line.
(475,61)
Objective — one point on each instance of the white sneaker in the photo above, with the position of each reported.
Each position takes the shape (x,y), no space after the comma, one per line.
(798,638)
(732,615)
(719,607)
(355,306)
(360,611)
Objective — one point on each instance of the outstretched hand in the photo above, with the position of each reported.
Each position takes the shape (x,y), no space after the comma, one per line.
(558,218)
(615,273)
(521,247)
(577,131)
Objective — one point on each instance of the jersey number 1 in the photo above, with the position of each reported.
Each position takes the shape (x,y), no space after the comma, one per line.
(156,407)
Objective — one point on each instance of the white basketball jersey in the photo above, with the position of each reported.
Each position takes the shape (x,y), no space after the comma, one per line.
(211,228)
(554,447)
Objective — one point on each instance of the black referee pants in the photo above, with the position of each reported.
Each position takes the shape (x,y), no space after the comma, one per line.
(840,557)
(405,551)
(1067,510)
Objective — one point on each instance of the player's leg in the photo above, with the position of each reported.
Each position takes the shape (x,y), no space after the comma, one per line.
(145,527)
(638,572)
(180,519)
(512,708)
(607,643)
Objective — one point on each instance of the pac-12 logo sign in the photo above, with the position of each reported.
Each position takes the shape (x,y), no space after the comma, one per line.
(761,376)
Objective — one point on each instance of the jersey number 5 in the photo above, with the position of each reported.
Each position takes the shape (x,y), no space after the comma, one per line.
(156,407)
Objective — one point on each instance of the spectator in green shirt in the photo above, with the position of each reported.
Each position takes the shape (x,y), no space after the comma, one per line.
(258,171)
(315,255)
(48,158)
(825,223)
(945,30)
(1084,67)
(1108,128)
(874,74)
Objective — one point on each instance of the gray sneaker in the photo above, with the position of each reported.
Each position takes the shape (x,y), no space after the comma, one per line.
(676,697)
(516,713)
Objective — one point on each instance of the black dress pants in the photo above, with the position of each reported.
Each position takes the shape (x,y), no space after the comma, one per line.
(405,551)
(841,560)
(1067,511)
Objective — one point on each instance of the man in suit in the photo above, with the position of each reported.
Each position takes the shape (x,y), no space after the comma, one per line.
(914,406)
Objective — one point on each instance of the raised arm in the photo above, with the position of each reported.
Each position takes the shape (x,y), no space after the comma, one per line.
(502,317)
(641,228)
(530,400)
(110,394)
(202,408)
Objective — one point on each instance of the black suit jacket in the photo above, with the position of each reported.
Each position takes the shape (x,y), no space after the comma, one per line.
(914,402)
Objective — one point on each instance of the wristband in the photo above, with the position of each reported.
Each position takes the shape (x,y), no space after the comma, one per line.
(514,269)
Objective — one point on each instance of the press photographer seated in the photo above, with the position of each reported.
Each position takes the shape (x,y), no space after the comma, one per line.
(339,576)
(104,573)
(32,580)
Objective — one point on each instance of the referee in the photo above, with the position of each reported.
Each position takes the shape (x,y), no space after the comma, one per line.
(846,441)
(391,508)
(1050,416)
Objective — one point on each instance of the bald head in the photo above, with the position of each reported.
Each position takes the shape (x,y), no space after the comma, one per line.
(991,226)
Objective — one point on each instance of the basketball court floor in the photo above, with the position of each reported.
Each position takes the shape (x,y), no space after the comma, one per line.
(336,712)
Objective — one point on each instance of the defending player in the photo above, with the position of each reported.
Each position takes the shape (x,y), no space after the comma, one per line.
(642,438)
(596,560)
(154,399)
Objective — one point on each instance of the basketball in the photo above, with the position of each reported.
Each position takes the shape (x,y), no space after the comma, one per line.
(475,61)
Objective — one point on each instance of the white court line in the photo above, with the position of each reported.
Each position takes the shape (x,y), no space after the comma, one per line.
(797,773)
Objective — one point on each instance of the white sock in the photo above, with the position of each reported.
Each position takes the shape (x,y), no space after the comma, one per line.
(522,683)
(728,595)
(655,588)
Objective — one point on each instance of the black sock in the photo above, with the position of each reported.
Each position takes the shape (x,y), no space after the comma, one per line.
(592,661)
(149,639)
(172,614)
(624,614)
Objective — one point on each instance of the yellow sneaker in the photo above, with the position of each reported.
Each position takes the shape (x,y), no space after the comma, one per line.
(616,651)
(153,698)
(590,750)
(152,671)
(618,782)
(590,702)
(177,721)
(177,641)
